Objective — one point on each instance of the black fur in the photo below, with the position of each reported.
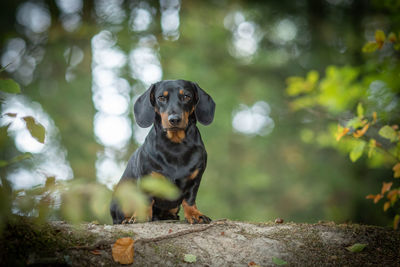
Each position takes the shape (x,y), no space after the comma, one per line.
(182,160)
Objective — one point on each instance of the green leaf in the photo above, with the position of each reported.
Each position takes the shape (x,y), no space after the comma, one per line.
(372,147)
(388,133)
(190,258)
(278,261)
(131,199)
(9,86)
(370,47)
(360,110)
(357,151)
(36,130)
(380,37)
(159,187)
(355,123)
(357,247)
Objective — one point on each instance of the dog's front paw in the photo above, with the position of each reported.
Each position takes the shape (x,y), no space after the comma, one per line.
(193,215)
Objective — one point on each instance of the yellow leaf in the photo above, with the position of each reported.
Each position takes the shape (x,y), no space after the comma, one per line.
(392,195)
(374,117)
(122,250)
(386,206)
(341,132)
(370,47)
(370,196)
(359,133)
(376,198)
(392,37)
(380,38)
(386,187)
(396,169)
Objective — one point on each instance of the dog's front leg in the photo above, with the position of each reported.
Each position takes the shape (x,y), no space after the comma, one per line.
(191,213)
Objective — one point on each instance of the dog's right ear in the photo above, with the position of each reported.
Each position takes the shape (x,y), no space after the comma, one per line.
(144,108)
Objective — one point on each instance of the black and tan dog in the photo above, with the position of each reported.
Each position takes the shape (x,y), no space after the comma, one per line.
(173,148)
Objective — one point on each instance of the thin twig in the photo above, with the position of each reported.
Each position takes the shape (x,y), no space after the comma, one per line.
(106,244)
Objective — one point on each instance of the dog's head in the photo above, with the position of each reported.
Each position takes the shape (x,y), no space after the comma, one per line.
(174,101)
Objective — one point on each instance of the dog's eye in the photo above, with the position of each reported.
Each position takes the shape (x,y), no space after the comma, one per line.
(186,98)
(162,98)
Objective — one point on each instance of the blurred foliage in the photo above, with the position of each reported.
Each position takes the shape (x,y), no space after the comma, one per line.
(365,131)
(297,172)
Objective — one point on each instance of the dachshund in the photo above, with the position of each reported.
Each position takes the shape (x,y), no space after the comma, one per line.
(173,148)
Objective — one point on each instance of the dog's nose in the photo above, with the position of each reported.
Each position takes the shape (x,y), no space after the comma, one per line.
(174,119)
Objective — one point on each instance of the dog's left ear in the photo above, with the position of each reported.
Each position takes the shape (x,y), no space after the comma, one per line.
(144,108)
(205,107)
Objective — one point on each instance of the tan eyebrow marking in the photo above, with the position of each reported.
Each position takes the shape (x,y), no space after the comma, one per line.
(181,91)
(165,93)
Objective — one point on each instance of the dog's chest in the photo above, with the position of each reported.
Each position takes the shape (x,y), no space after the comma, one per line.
(179,164)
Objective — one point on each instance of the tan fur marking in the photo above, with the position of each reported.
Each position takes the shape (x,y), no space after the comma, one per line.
(191,212)
(194,174)
(164,119)
(165,93)
(174,211)
(181,92)
(176,136)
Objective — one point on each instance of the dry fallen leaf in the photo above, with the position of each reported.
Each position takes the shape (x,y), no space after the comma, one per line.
(122,250)
(169,231)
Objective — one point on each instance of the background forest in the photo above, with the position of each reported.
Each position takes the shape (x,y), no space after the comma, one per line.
(305,126)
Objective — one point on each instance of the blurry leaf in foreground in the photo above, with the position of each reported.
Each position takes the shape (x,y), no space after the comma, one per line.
(360,110)
(9,86)
(190,258)
(388,133)
(72,206)
(396,170)
(159,187)
(357,151)
(359,133)
(370,47)
(278,261)
(380,38)
(357,247)
(131,200)
(374,117)
(372,147)
(122,250)
(100,201)
(341,132)
(36,130)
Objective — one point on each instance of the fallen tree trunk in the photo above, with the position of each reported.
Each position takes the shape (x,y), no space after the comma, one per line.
(221,243)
